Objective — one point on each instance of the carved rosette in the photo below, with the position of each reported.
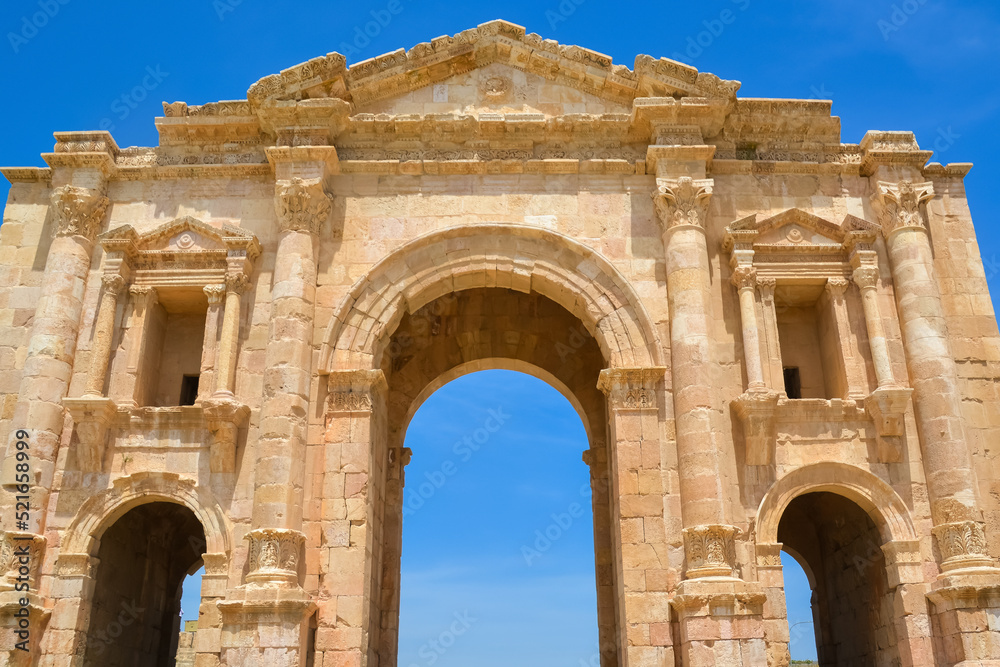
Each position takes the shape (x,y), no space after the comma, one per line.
(301,205)
(20,557)
(962,545)
(78,211)
(274,555)
(631,388)
(898,205)
(682,202)
(354,391)
(756,410)
(710,550)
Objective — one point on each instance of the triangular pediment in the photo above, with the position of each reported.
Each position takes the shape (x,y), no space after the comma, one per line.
(183,235)
(446,60)
(796,227)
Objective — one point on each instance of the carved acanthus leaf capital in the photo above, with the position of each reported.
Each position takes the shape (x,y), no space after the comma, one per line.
(237,282)
(301,205)
(274,555)
(215,294)
(682,202)
(837,286)
(20,550)
(865,276)
(631,388)
(898,205)
(113,283)
(78,211)
(710,550)
(962,544)
(745,277)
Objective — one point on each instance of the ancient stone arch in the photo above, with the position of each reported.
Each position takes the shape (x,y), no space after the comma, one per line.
(493,255)
(749,313)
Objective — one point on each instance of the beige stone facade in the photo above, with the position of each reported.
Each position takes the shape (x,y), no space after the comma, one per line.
(211,350)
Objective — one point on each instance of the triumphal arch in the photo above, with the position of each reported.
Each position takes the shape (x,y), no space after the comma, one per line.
(210,350)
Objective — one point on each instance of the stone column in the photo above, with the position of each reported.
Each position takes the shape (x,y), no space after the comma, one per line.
(951,480)
(76,214)
(866,277)
(100,350)
(719,615)
(209,348)
(850,365)
(745,280)
(144,299)
(272,602)
(225,372)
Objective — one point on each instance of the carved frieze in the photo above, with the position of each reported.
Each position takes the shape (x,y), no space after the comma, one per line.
(354,391)
(301,205)
(78,211)
(682,202)
(631,388)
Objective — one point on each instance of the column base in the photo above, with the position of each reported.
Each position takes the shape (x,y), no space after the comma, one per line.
(756,409)
(93,415)
(721,622)
(265,626)
(887,408)
(224,417)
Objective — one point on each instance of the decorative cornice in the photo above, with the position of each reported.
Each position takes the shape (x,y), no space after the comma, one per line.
(710,550)
(898,205)
(682,202)
(78,211)
(301,205)
(631,388)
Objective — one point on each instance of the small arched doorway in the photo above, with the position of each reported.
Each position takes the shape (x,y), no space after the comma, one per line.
(143,559)
(839,547)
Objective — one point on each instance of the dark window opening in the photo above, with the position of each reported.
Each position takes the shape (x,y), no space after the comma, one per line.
(793,383)
(189,390)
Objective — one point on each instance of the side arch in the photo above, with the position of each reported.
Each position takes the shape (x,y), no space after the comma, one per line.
(886,509)
(518,257)
(99,512)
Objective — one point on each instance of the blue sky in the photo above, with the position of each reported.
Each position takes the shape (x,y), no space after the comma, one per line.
(922,65)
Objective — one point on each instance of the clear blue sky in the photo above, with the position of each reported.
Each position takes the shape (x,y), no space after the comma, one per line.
(922,65)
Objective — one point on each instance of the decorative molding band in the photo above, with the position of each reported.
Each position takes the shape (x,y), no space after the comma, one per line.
(631,388)
(710,550)
(682,202)
(274,555)
(301,205)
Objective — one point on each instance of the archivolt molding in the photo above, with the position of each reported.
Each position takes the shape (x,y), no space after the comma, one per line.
(886,509)
(491,255)
(101,511)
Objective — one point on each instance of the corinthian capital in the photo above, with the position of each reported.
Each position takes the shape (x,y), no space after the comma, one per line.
(78,211)
(898,205)
(682,201)
(301,205)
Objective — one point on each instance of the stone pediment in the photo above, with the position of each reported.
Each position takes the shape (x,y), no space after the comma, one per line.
(397,74)
(797,228)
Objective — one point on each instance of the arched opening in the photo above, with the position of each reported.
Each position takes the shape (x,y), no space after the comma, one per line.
(839,548)
(498,541)
(143,559)
(799,609)
(477,329)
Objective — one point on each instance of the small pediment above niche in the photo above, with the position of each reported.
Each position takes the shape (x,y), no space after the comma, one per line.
(796,235)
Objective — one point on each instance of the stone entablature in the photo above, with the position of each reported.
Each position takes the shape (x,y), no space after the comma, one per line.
(754,312)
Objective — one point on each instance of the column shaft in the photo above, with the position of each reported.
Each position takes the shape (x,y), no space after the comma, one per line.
(100,351)
(746,280)
(866,279)
(210,343)
(225,374)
